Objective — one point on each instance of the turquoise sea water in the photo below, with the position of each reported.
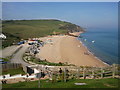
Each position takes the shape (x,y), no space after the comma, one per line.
(105,46)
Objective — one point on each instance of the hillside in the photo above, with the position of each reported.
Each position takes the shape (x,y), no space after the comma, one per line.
(24,29)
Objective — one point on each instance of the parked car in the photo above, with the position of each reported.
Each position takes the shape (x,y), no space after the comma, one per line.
(30,43)
(2,61)
(21,42)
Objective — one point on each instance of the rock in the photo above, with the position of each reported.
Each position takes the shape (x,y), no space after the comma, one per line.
(80,83)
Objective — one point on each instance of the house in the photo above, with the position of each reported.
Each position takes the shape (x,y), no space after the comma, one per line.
(2,36)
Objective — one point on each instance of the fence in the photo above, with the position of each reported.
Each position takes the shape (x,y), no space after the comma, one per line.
(11,66)
(70,73)
(85,73)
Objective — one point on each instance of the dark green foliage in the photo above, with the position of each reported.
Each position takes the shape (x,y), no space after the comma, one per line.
(71,28)
(10,40)
(44,62)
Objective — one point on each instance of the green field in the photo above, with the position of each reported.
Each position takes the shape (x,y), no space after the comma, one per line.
(24,29)
(32,28)
(13,71)
(91,83)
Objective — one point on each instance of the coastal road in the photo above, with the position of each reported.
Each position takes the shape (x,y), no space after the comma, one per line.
(17,58)
(8,51)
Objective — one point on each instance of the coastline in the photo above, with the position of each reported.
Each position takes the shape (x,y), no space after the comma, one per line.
(78,34)
(68,49)
(93,53)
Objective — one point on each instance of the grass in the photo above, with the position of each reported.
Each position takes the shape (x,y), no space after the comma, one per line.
(24,29)
(51,64)
(11,39)
(45,62)
(13,71)
(91,83)
(32,28)
(5,59)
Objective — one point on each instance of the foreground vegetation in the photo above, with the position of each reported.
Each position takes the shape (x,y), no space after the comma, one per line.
(15,30)
(13,71)
(91,83)
(11,39)
(5,59)
(35,60)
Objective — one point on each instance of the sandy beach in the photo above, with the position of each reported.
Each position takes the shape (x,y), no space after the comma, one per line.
(68,49)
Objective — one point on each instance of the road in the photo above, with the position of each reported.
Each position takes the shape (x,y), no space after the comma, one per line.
(8,51)
(17,57)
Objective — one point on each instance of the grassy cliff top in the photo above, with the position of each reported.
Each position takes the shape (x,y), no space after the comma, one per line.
(37,28)
(24,29)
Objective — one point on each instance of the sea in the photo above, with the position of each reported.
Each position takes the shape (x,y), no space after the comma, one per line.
(103,43)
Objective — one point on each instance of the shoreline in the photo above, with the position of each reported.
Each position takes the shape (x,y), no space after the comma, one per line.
(78,34)
(61,51)
(92,53)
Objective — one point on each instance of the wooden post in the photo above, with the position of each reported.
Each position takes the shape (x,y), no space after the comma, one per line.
(113,71)
(65,75)
(38,76)
(52,76)
(93,74)
(84,73)
(78,73)
(102,72)
(39,83)
(27,77)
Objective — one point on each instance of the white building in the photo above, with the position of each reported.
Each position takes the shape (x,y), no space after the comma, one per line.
(32,41)
(2,36)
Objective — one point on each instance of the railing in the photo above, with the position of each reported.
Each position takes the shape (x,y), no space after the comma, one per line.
(85,73)
(11,66)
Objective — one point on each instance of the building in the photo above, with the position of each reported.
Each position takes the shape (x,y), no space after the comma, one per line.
(2,36)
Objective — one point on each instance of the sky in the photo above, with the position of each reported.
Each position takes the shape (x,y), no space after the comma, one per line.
(60,0)
(85,14)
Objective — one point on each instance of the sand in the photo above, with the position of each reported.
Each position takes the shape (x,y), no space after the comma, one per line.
(68,49)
